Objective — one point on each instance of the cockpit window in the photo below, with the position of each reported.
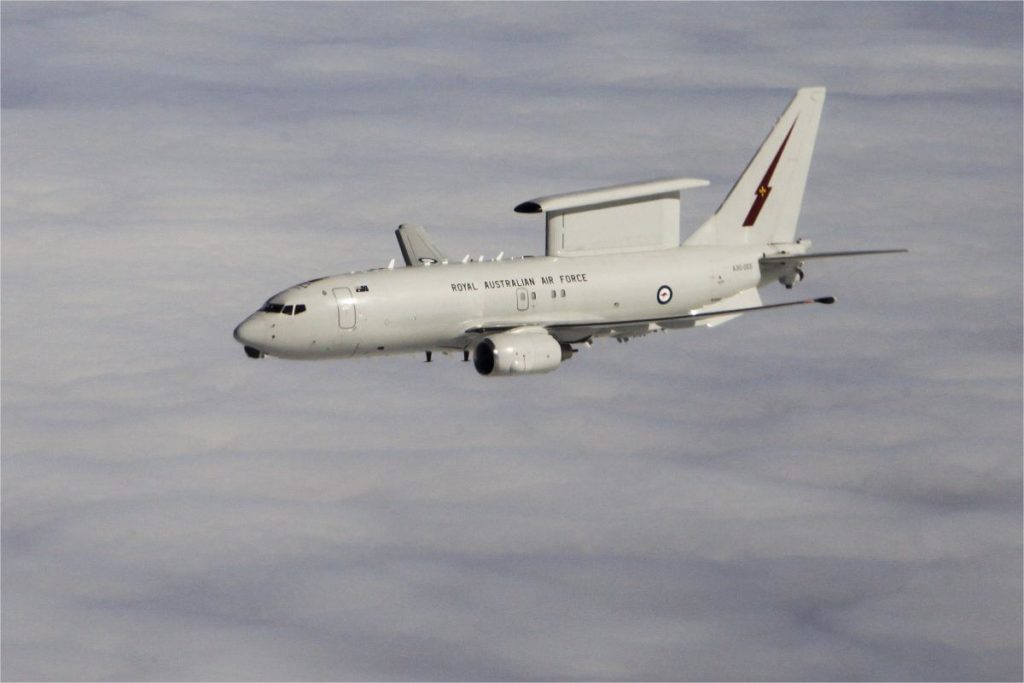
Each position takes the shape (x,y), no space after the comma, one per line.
(281,308)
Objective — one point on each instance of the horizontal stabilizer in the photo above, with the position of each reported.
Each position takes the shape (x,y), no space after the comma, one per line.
(781,259)
(418,249)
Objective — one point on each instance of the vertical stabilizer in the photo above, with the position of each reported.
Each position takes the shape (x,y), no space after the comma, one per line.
(764,204)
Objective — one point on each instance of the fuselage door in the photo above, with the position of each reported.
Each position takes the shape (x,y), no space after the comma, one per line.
(522,299)
(346,308)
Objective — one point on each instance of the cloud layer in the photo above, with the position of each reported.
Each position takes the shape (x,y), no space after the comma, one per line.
(830,494)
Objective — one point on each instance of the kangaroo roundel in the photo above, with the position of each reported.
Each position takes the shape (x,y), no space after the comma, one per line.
(664,294)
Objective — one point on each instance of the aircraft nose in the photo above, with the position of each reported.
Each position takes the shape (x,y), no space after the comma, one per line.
(248,334)
(243,333)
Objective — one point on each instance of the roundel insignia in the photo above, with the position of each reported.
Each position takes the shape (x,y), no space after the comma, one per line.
(664,294)
(427,261)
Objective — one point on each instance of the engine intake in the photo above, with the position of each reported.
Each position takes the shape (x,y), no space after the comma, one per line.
(529,351)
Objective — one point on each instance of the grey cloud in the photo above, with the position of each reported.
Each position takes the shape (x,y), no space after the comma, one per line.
(827,494)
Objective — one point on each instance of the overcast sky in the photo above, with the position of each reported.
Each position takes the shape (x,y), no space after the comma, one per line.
(822,493)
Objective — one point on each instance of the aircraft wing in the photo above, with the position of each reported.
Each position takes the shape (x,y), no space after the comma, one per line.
(574,332)
(418,249)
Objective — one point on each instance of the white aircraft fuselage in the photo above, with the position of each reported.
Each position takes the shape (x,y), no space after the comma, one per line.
(614,266)
(403,310)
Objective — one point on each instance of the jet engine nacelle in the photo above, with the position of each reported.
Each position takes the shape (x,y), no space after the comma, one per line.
(529,351)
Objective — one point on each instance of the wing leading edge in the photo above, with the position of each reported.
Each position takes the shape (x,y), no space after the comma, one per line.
(787,258)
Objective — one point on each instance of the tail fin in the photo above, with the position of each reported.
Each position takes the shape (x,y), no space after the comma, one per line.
(764,204)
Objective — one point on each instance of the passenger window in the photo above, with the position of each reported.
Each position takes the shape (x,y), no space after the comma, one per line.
(288,310)
(533,295)
(300,308)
